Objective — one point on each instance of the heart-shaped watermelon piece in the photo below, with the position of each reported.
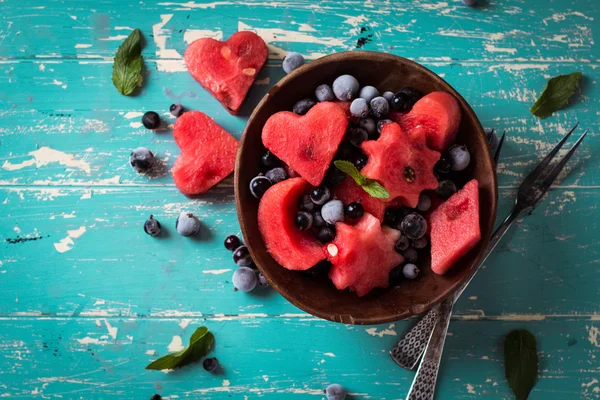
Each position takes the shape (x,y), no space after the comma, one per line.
(307,143)
(362,255)
(207,153)
(402,163)
(289,246)
(227,69)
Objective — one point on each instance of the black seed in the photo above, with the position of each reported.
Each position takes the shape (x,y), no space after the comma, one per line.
(409,174)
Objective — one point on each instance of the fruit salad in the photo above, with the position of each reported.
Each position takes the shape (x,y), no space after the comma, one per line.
(363,183)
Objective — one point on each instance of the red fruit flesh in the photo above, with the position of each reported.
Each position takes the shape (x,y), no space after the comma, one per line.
(345,106)
(308,143)
(365,255)
(207,153)
(402,163)
(288,245)
(396,116)
(439,114)
(455,228)
(227,69)
(348,191)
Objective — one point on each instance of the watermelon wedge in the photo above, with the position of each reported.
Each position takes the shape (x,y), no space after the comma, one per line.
(348,191)
(207,153)
(402,163)
(292,248)
(455,228)
(227,69)
(362,255)
(307,143)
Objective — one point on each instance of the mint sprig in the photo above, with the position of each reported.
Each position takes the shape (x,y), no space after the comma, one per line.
(127,67)
(371,186)
(200,344)
(556,94)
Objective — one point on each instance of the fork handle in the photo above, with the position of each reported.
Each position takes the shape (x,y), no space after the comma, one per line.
(423,386)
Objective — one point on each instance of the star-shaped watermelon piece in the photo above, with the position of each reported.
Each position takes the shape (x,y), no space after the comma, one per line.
(402,163)
(362,255)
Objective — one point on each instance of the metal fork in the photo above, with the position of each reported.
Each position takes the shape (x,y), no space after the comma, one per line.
(533,188)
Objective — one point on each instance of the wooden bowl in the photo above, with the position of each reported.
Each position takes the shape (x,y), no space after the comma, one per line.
(318,296)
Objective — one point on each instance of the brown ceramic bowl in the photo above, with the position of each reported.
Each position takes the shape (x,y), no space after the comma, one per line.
(318,296)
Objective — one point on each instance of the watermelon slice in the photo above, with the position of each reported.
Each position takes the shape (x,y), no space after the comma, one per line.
(308,143)
(227,69)
(439,114)
(345,106)
(401,163)
(455,228)
(348,191)
(363,255)
(207,153)
(292,248)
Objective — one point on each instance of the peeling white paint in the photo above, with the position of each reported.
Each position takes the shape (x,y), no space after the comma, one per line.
(170,59)
(83,46)
(116,37)
(216,271)
(150,352)
(191,35)
(493,49)
(184,323)
(176,344)
(65,244)
(389,331)
(111,331)
(133,114)
(44,156)
(471,389)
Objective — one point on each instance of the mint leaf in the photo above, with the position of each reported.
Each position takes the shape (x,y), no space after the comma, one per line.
(375,189)
(127,67)
(200,344)
(556,94)
(520,362)
(351,170)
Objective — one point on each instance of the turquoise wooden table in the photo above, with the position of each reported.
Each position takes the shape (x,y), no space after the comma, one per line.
(87,299)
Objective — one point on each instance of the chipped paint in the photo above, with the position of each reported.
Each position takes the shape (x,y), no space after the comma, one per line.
(191,35)
(381,333)
(184,323)
(44,156)
(176,344)
(216,271)
(65,244)
(593,335)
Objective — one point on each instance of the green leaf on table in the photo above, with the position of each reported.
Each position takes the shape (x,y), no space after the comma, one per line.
(200,344)
(556,94)
(370,186)
(128,63)
(520,362)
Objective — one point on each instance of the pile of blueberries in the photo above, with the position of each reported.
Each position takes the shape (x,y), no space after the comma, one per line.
(142,159)
(247,277)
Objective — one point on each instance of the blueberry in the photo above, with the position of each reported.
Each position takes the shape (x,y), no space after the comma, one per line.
(210,364)
(381,123)
(410,255)
(333,211)
(319,269)
(253,266)
(346,151)
(244,279)
(262,281)
(394,215)
(187,224)
(420,243)
(345,87)
(318,220)
(361,161)
(306,203)
(152,227)
(396,274)
(424,203)
(276,175)
(241,257)
(379,107)
(335,392)
(324,92)
(355,210)
(156,397)
(335,176)
(446,188)
(151,120)
(469,3)
(368,93)
(326,234)
(232,242)
(303,220)
(357,135)
(141,159)
(402,244)
(413,226)
(269,160)
(302,106)
(259,185)
(176,110)
(406,98)
(388,96)
(410,271)
(369,125)
(320,195)
(292,61)
(443,165)
(459,156)
(359,108)
(290,172)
